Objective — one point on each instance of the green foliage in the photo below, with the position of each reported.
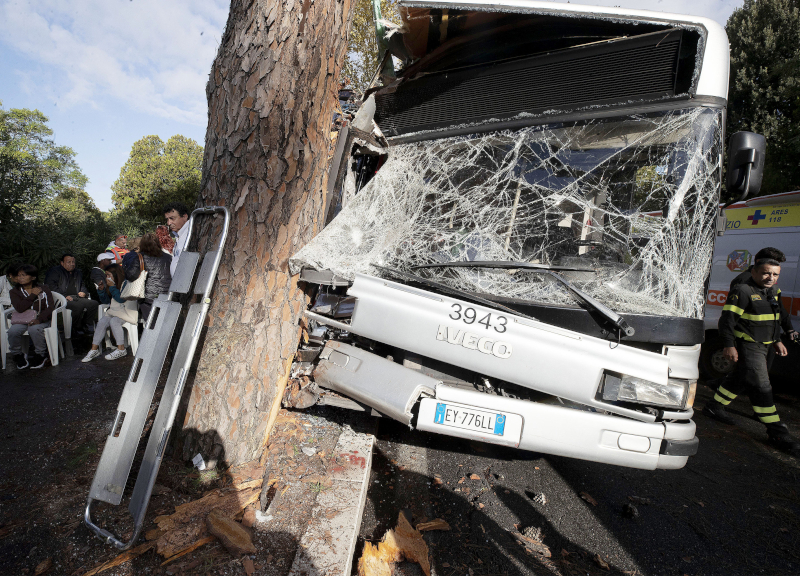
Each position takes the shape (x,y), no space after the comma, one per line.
(765,85)
(32,168)
(158,173)
(362,48)
(44,209)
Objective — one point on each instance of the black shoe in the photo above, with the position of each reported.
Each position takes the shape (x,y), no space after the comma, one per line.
(716,411)
(780,438)
(38,361)
(21,361)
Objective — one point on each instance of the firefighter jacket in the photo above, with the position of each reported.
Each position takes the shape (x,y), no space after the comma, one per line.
(753,314)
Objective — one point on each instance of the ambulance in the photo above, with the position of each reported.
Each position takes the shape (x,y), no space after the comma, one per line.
(748,227)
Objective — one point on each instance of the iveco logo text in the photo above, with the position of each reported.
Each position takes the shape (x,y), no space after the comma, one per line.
(474,342)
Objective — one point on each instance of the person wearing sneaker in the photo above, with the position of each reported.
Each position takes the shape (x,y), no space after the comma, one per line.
(750,324)
(33,307)
(119,312)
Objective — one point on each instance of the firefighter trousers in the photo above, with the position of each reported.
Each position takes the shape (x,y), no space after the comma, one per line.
(751,377)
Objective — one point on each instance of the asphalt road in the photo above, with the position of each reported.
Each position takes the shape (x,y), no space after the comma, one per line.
(734,509)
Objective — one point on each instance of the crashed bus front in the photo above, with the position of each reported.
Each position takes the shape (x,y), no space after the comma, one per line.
(524,232)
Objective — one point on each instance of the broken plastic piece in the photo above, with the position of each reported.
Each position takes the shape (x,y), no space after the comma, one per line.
(198,462)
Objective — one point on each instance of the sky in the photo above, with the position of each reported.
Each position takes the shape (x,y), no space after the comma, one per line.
(109,72)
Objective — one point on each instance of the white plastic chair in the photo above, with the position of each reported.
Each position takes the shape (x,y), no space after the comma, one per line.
(131,331)
(66,320)
(3,330)
(55,349)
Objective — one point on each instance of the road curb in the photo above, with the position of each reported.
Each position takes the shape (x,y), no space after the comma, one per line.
(328,544)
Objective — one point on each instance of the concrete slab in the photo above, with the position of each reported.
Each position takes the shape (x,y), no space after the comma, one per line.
(327,547)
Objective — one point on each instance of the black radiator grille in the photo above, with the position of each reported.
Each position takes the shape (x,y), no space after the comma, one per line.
(636,69)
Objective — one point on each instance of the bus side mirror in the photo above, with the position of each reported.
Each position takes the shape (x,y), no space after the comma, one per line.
(745,163)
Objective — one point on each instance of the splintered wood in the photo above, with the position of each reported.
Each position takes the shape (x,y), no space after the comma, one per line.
(402,543)
(437,524)
(121,559)
(235,538)
(188,523)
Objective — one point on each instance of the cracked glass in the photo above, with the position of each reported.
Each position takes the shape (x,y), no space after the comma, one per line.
(632,200)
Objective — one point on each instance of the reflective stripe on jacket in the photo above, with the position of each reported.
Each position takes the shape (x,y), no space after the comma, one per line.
(753,314)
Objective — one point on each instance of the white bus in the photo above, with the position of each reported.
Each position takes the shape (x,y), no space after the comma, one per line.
(491,272)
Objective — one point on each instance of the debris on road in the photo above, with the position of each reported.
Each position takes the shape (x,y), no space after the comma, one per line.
(533,545)
(43,567)
(230,533)
(639,500)
(121,559)
(600,562)
(187,524)
(630,511)
(402,543)
(437,524)
(588,498)
(537,497)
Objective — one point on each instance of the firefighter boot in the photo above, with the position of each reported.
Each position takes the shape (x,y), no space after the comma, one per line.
(716,411)
(780,438)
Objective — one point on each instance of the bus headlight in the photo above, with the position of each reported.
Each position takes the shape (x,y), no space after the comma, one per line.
(676,393)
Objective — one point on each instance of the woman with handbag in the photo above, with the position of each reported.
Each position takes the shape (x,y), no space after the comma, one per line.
(118,313)
(147,272)
(33,307)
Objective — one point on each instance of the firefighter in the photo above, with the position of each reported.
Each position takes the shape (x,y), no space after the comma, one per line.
(750,324)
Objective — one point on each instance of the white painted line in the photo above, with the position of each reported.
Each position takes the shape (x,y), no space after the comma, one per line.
(327,547)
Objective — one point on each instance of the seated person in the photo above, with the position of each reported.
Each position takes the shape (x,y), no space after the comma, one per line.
(119,312)
(67,280)
(98,273)
(28,295)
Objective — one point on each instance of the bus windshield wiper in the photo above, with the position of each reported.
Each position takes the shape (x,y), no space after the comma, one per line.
(602,309)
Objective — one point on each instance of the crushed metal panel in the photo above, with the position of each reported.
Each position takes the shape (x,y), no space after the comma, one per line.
(373,380)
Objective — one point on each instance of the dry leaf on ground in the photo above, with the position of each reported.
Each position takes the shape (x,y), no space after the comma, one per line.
(600,562)
(43,567)
(588,498)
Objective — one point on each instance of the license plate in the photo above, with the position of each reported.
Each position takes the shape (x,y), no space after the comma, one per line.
(470,419)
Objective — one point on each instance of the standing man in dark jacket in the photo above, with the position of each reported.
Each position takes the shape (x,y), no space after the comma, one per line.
(750,324)
(763,254)
(68,281)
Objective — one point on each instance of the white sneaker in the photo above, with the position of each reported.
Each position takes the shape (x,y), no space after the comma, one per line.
(91,355)
(117,354)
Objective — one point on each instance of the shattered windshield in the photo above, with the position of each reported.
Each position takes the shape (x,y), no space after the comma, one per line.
(633,198)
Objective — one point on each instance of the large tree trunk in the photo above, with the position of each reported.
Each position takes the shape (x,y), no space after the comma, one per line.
(271,97)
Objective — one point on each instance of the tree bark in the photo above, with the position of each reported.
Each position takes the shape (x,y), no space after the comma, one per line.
(271,96)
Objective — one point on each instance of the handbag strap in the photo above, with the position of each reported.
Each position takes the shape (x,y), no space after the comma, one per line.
(141,262)
(39,300)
